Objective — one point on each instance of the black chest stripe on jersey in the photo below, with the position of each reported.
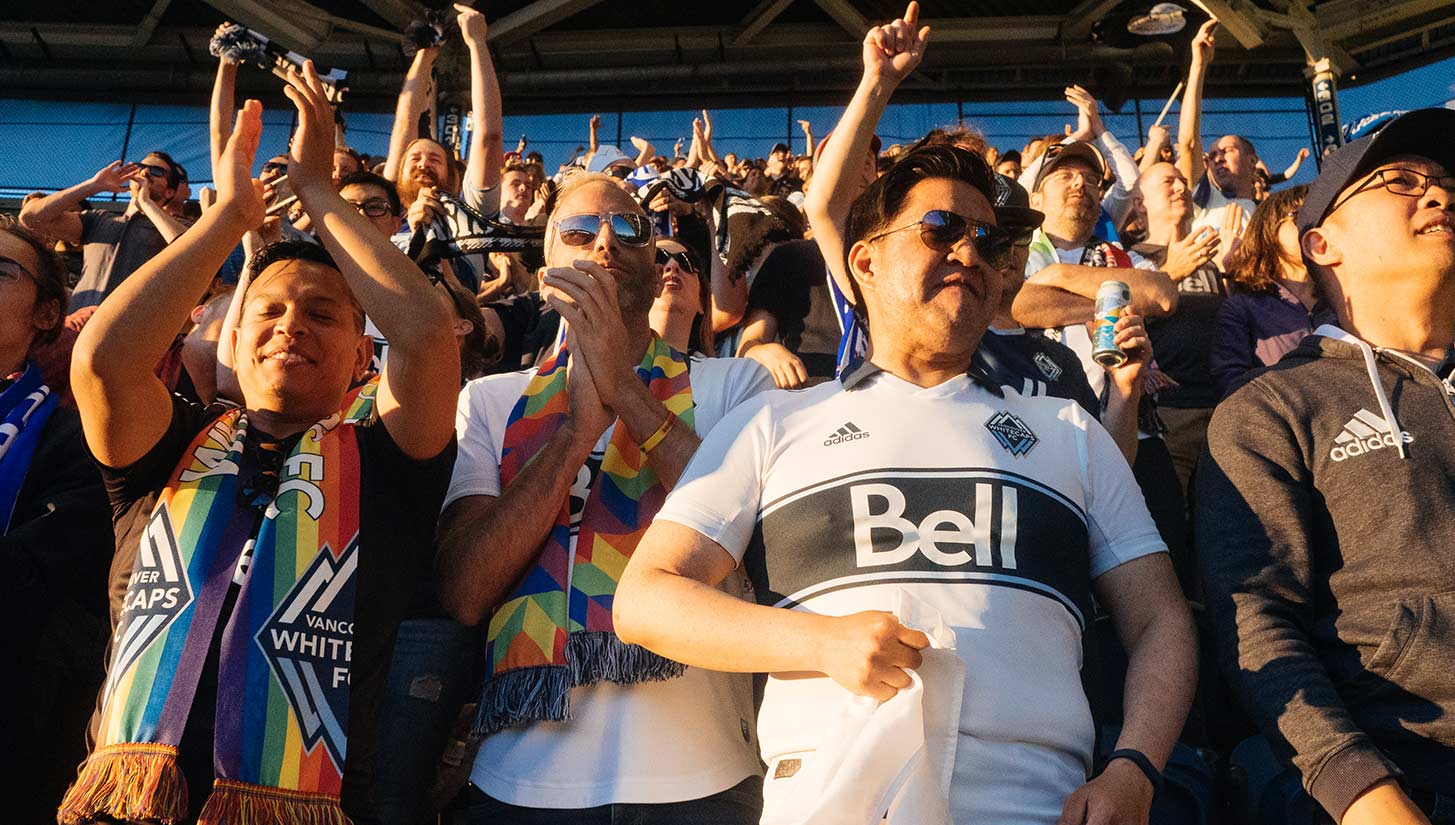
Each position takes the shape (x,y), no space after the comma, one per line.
(974,526)
(989,473)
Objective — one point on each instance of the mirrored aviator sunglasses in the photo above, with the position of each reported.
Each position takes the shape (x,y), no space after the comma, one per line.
(630,228)
(940,230)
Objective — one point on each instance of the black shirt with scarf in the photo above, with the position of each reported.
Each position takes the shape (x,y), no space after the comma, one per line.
(399,507)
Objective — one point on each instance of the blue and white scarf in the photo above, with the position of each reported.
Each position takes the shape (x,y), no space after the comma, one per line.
(24,408)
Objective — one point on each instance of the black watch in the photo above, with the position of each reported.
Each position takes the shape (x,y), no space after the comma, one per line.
(1143,764)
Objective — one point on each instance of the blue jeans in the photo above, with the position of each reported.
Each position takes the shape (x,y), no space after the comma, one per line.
(741,804)
(428,680)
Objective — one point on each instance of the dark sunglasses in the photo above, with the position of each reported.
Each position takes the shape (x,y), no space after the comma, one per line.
(271,166)
(941,230)
(619,172)
(682,259)
(374,208)
(154,170)
(631,228)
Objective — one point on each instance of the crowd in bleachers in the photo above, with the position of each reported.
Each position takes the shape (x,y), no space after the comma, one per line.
(1102,479)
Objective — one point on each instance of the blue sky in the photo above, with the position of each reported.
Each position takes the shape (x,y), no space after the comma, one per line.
(67,142)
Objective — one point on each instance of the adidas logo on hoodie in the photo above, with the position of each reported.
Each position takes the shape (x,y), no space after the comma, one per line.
(1365,433)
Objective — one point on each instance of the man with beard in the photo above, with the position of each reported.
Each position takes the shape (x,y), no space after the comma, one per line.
(1067,264)
(428,169)
(1225,176)
(578,727)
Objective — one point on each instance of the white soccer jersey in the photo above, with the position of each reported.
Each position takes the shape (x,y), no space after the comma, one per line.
(996,510)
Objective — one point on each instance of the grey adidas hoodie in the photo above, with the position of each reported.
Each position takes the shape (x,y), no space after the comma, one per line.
(1326,536)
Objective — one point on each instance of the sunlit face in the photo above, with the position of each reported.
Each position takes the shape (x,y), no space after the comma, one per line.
(157,185)
(516,192)
(1164,193)
(368,198)
(20,318)
(681,285)
(939,302)
(273,168)
(635,268)
(426,163)
(299,344)
(1230,162)
(1070,194)
(1378,240)
(344,164)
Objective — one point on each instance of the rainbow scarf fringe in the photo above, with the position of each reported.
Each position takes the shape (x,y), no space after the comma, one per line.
(295,561)
(555,632)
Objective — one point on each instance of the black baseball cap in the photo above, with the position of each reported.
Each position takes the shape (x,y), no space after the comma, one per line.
(780,148)
(1013,206)
(1423,132)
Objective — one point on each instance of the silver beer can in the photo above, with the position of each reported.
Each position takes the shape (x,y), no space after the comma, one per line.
(1112,300)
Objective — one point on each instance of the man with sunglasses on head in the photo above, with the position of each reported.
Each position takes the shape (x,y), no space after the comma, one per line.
(577,726)
(1325,509)
(113,245)
(915,479)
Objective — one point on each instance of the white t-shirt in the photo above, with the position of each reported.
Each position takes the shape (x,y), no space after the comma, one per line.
(1212,204)
(996,510)
(670,741)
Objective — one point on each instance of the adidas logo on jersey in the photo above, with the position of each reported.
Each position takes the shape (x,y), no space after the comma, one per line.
(1365,433)
(848,432)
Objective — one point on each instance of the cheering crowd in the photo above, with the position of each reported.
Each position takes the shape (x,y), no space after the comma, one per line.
(697,488)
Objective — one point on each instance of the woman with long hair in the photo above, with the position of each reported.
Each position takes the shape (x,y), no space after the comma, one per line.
(1274,302)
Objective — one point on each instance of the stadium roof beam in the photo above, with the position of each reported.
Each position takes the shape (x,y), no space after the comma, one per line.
(1246,28)
(399,13)
(848,17)
(533,18)
(148,24)
(759,18)
(275,21)
(1080,19)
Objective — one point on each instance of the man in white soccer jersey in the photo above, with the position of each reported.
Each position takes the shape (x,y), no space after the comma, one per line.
(1005,514)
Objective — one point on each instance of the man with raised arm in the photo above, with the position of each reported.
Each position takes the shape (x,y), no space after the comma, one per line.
(914,480)
(1225,175)
(113,245)
(424,169)
(561,469)
(268,540)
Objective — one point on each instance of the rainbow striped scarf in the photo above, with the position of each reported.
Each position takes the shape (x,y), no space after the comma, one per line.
(283,676)
(555,632)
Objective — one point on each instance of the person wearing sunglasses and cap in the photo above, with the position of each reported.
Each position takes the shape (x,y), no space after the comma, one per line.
(1325,509)
(916,476)
(114,246)
(576,725)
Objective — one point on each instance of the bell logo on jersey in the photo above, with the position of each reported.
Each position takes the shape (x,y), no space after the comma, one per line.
(881,506)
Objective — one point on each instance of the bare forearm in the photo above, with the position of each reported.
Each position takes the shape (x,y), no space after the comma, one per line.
(169,227)
(1152,292)
(134,327)
(701,626)
(1161,676)
(41,211)
(834,183)
(1189,125)
(1120,420)
(481,558)
(642,415)
(406,112)
(1040,306)
(397,297)
(487,145)
(220,113)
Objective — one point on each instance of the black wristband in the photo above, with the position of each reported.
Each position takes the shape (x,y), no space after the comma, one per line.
(1143,764)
